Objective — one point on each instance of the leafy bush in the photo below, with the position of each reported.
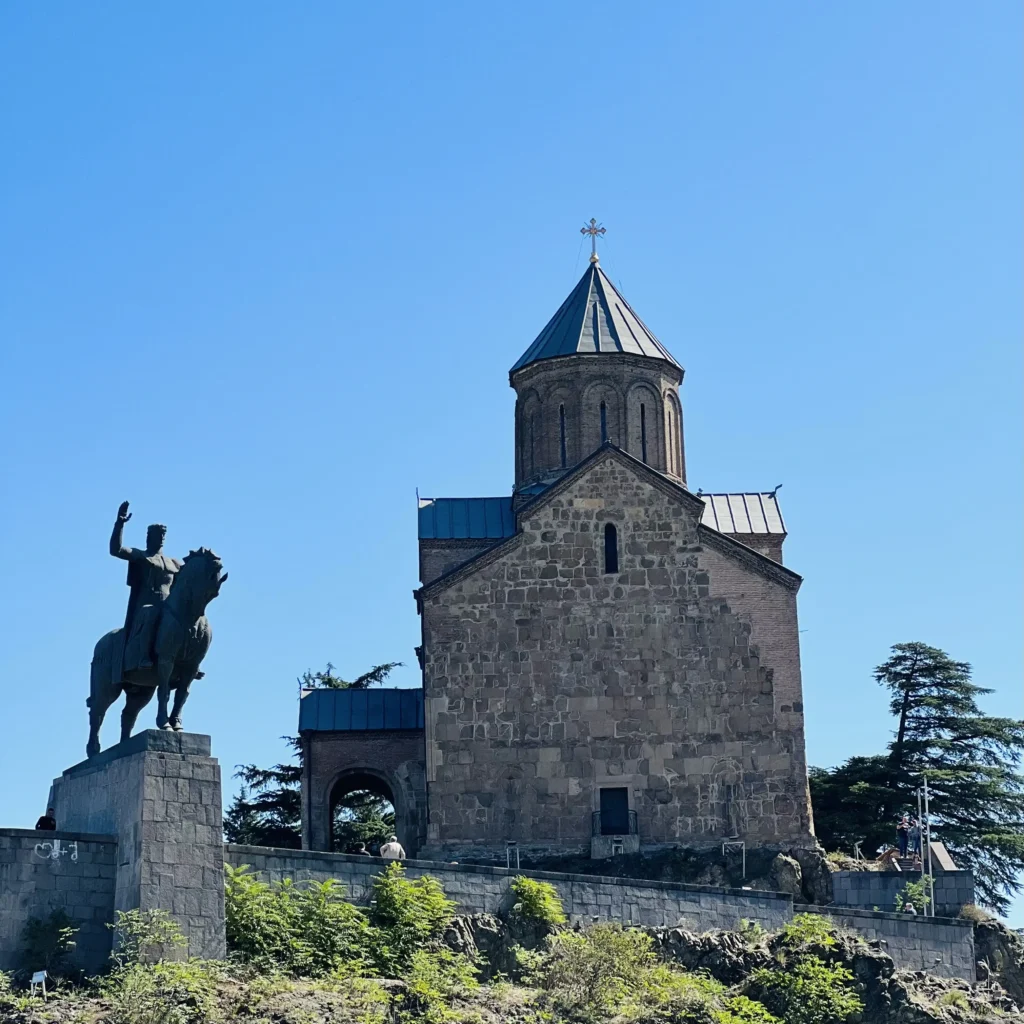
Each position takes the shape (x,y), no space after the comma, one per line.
(405,915)
(144,936)
(915,893)
(537,901)
(607,971)
(436,979)
(165,992)
(47,944)
(306,930)
(808,930)
(145,987)
(953,998)
(808,991)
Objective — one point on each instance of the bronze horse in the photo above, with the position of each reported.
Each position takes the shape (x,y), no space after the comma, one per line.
(182,639)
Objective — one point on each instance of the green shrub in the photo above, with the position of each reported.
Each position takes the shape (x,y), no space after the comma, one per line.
(306,930)
(47,944)
(808,991)
(435,980)
(165,992)
(597,970)
(405,916)
(537,901)
(915,893)
(953,998)
(808,930)
(145,936)
(606,971)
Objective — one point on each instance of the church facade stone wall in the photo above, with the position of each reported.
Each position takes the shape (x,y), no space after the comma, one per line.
(547,679)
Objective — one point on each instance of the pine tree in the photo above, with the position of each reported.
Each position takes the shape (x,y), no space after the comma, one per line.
(971,761)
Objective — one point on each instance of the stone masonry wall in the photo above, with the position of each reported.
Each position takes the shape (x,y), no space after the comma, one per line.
(942,946)
(160,794)
(586,898)
(868,889)
(546,679)
(41,872)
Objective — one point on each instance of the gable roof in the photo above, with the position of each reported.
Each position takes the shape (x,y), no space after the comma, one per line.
(754,560)
(594,318)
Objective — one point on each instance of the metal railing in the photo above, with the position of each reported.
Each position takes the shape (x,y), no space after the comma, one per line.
(600,830)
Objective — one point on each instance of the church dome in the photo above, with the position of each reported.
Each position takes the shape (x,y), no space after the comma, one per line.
(595,375)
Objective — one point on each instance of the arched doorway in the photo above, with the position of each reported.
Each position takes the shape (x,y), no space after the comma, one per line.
(362,808)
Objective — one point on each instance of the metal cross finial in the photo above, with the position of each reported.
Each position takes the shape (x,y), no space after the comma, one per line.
(593,229)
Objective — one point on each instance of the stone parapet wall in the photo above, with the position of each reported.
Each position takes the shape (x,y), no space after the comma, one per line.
(938,945)
(586,898)
(870,889)
(43,872)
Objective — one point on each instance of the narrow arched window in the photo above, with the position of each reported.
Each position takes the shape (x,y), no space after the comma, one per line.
(604,423)
(643,432)
(531,428)
(561,428)
(611,548)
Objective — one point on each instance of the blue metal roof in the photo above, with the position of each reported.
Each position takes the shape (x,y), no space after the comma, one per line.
(594,318)
(466,518)
(360,710)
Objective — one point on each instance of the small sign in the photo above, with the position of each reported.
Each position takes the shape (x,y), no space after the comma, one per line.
(38,979)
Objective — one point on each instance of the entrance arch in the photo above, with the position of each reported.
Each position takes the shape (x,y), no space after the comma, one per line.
(361,780)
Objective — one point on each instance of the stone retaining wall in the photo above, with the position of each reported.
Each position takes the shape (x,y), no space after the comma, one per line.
(869,889)
(41,872)
(586,898)
(938,945)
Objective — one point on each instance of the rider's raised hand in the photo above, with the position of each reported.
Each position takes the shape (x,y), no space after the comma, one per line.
(122,513)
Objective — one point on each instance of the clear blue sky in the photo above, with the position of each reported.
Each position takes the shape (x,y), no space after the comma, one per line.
(265,268)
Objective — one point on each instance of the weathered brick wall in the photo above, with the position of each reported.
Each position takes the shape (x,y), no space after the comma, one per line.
(390,761)
(546,679)
(586,898)
(942,946)
(770,607)
(440,556)
(868,889)
(41,872)
(579,384)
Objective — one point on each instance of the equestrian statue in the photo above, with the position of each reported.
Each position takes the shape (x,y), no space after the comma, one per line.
(165,637)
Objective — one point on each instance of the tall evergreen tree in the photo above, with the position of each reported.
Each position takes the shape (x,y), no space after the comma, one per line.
(267,811)
(971,761)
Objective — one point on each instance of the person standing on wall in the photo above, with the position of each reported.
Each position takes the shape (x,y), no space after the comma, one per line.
(903,834)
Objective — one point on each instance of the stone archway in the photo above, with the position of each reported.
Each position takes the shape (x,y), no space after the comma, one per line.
(358,780)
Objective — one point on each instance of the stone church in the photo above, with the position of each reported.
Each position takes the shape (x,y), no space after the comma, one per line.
(610,662)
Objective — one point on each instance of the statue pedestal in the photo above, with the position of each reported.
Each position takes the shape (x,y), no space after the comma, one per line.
(159,793)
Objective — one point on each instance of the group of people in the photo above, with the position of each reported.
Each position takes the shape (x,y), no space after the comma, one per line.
(908,836)
(391,850)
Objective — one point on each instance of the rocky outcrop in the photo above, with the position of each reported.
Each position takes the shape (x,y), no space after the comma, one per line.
(495,939)
(1002,953)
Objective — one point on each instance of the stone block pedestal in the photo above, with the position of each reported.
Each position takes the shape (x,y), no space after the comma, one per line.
(159,793)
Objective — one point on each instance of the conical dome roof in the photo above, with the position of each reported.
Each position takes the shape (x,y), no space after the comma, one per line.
(594,318)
